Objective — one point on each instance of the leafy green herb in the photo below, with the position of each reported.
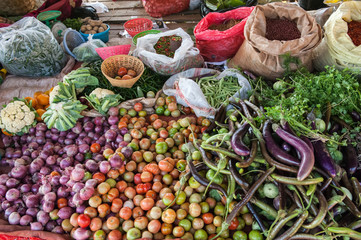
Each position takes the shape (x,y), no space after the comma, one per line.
(301,93)
(74,23)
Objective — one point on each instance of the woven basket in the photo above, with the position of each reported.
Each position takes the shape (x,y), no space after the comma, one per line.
(137,25)
(16,7)
(111,65)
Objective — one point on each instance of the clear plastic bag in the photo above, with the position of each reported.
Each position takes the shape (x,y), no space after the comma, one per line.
(28,48)
(185,57)
(86,52)
(337,48)
(188,93)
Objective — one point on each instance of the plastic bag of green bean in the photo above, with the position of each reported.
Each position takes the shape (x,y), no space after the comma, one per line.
(204,90)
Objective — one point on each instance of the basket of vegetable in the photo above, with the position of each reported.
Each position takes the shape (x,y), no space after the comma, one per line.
(137,25)
(122,70)
(97,28)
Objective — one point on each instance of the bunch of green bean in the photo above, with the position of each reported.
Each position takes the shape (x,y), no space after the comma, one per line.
(216,90)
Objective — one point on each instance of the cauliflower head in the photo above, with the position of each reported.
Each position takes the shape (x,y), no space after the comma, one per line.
(17,117)
(101,93)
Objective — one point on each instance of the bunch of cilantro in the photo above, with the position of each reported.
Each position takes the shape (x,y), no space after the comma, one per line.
(301,93)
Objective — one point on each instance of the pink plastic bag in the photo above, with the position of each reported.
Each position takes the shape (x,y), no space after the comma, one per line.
(216,46)
(161,8)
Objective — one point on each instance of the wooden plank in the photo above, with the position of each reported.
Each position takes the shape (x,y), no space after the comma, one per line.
(141,12)
(123,5)
(173,18)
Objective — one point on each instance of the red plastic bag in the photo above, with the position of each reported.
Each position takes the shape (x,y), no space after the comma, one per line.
(8,237)
(161,8)
(216,46)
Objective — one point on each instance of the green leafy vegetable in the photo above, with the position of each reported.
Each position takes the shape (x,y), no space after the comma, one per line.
(63,115)
(74,23)
(81,78)
(103,99)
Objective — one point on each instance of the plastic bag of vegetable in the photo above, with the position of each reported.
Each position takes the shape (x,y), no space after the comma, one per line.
(264,56)
(189,93)
(337,48)
(28,48)
(185,57)
(85,52)
(216,45)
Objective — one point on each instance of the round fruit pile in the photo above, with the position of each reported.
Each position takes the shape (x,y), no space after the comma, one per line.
(125,74)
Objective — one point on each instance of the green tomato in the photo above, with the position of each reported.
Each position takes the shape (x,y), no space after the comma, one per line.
(279,85)
(239,235)
(159,110)
(186,224)
(111,182)
(210,175)
(196,155)
(244,210)
(320,125)
(161,147)
(193,183)
(190,218)
(224,234)
(133,234)
(99,235)
(255,226)
(150,131)
(204,207)
(219,210)
(132,113)
(270,190)
(87,176)
(184,148)
(150,94)
(122,111)
(142,113)
(181,165)
(172,131)
(54,214)
(241,224)
(167,112)
(134,146)
(195,198)
(200,234)
(255,235)
(181,198)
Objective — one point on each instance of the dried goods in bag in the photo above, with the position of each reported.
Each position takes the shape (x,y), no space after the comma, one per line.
(337,47)
(184,56)
(219,35)
(265,57)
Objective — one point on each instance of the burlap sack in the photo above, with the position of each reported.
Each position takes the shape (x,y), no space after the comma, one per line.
(262,56)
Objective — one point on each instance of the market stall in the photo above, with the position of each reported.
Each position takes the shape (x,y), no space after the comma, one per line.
(246,128)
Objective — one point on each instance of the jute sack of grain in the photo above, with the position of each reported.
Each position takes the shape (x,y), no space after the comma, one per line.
(16,7)
(264,57)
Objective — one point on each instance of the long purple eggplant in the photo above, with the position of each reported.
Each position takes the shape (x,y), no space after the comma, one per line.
(324,158)
(273,148)
(236,142)
(350,155)
(306,153)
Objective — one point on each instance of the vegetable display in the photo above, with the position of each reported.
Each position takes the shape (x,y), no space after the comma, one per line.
(103,99)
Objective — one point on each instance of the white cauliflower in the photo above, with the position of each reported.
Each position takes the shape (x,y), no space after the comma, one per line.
(101,93)
(17,117)
(53,93)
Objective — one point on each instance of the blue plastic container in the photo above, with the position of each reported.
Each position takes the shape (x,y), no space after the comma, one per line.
(71,40)
(104,36)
